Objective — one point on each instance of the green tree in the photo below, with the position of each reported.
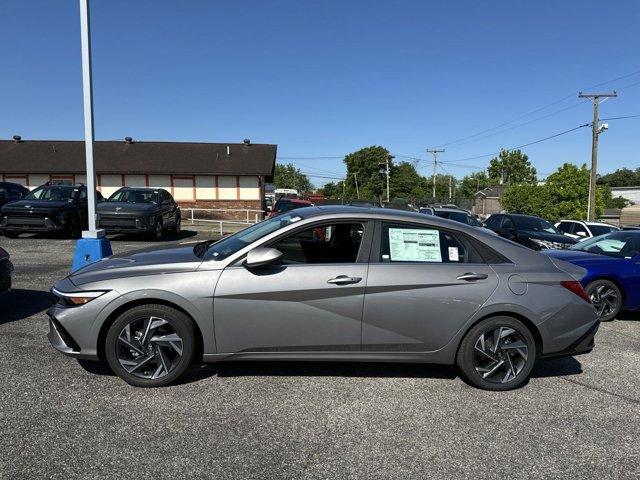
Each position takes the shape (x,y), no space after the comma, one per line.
(472,183)
(289,176)
(512,167)
(366,165)
(623,177)
(564,195)
(406,182)
(332,190)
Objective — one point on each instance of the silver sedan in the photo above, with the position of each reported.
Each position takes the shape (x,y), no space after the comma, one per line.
(328,284)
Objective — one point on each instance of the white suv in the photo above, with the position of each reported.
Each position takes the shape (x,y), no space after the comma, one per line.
(583,230)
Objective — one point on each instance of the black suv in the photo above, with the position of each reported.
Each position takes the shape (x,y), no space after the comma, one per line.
(140,210)
(48,208)
(11,192)
(533,232)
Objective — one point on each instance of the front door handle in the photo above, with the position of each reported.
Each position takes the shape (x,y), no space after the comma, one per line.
(344,280)
(472,277)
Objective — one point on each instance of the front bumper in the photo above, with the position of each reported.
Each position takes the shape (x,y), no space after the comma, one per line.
(32,224)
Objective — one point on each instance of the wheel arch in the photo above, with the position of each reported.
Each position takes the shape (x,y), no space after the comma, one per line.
(518,316)
(102,335)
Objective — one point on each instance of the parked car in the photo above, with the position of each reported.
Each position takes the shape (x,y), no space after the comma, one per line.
(533,232)
(283,205)
(613,270)
(11,192)
(140,210)
(580,230)
(455,214)
(293,287)
(48,208)
(6,269)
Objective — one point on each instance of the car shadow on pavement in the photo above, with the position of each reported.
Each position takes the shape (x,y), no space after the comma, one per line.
(628,316)
(316,369)
(168,237)
(556,367)
(21,303)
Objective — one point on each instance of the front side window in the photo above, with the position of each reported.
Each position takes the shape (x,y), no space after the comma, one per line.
(327,243)
(493,221)
(507,223)
(407,243)
(566,227)
(234,243)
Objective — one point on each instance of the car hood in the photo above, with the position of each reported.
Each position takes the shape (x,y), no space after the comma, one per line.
(149,261)
(124,208)
(549,237)
(22,206)
(581,258)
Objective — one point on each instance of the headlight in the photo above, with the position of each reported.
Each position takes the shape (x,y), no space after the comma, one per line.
(73,299)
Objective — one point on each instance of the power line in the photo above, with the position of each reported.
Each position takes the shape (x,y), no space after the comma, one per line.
(571,95)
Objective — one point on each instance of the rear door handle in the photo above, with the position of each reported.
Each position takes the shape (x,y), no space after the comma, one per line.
(472,277)
(344,280)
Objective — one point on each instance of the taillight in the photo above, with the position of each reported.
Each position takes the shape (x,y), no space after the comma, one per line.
(576,287)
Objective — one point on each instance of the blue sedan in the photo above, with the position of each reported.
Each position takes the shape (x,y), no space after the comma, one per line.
(613,270)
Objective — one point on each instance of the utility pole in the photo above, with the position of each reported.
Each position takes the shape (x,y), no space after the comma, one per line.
(387,169)
(435,163)
(596,131)
(355,177)
(450,187)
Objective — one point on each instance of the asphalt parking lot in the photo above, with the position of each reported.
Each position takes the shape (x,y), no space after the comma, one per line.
(578,417)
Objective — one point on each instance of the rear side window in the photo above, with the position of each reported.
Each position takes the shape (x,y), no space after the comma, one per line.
(409,243)
(566,227)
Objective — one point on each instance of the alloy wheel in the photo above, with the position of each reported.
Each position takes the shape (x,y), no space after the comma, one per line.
(500,354)
(605,300)
(149,348)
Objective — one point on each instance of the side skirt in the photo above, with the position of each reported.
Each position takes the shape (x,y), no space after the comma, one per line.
(391,357)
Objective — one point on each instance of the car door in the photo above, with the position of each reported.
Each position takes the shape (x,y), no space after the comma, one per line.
(424,283)
(312,301)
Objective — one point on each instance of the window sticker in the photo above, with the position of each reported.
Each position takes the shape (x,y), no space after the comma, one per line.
(414,245)
(453,254)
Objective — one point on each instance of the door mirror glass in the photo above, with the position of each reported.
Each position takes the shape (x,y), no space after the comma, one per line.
(262,256)
(581,233)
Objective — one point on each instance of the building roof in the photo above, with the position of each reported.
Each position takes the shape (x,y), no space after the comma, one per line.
(492,192)
(121,157)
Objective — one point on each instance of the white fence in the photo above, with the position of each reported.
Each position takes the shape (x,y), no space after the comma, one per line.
(203,216)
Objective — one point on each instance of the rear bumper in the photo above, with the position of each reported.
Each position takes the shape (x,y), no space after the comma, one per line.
(584,344)
(6,268)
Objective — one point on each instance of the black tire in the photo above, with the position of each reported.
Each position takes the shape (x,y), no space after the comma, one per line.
(469,360)
(10,234)
(178,226)
(606,298)
(116,351)
(158,232)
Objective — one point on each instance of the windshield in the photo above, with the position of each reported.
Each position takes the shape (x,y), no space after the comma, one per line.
(285,206)
(53,194)
(534,224)
(601,229)
(461,217)
(234,243)
(624,244)
(135,196)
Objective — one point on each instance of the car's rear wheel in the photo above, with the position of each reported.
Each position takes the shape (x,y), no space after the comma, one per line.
(10,234)
(606,298)
(497,354)
(150,345)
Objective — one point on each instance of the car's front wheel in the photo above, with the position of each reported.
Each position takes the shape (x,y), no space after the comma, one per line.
(150,345)
(497,354)
(158,232)
(606,298)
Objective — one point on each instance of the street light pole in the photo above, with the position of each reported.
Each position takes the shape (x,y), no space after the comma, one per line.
(93,245)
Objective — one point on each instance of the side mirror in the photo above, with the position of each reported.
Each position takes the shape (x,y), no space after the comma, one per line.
(581,234)
(262,256)
(167,202)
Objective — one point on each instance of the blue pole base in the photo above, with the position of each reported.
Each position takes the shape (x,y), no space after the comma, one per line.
(90,250)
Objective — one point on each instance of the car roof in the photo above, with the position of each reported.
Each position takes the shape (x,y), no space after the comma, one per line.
(295,200)
(141,188)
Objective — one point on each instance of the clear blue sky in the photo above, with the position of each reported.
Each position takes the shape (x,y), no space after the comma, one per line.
(324,78)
